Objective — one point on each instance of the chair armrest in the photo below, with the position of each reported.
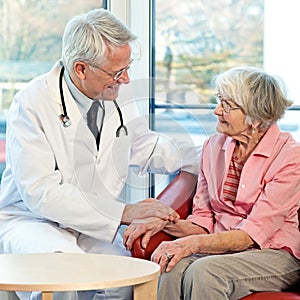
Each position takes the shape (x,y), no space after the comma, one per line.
(179,195)
(273,296)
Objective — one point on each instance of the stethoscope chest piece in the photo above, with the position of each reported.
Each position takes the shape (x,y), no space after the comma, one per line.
(65,120)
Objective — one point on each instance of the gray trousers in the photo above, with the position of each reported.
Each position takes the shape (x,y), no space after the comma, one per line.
(229,276)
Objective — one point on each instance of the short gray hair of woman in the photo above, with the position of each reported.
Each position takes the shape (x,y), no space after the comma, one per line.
(261,96)
(87,37)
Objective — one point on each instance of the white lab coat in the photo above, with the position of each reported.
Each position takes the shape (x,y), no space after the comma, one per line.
(55,173)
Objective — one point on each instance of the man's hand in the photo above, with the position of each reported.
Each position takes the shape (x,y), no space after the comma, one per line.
(149,208)
(146,227)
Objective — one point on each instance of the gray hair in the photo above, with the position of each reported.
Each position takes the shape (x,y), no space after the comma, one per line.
(260,95)
(87,37)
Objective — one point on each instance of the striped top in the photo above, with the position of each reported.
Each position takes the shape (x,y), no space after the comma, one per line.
(233,178)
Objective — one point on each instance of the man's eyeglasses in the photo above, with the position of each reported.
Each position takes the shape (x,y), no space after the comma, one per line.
(115,75)
(225,105)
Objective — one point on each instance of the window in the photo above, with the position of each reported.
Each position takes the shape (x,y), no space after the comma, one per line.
(195,40)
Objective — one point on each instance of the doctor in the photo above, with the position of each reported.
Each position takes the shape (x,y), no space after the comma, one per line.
(61,188)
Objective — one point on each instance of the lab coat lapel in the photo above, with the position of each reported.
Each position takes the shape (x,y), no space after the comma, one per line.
(78,132)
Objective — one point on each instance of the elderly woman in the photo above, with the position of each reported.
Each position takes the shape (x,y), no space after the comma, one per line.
(242,235)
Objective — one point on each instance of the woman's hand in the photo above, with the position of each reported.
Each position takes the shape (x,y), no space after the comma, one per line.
(214,243)
(168,254)
(146,227)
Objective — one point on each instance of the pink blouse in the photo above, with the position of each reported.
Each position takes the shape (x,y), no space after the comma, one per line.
(268,194)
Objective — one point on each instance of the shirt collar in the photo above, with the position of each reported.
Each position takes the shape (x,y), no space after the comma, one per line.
(83,102)
(268,143)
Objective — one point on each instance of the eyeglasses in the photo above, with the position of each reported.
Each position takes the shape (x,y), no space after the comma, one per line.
(225,105)
(115,75)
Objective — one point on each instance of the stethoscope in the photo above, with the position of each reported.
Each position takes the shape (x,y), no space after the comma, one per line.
(65,118)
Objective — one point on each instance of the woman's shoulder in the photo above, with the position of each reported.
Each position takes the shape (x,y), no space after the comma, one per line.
(290,148)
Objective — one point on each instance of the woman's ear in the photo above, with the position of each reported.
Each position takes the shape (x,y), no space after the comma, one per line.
(255,126)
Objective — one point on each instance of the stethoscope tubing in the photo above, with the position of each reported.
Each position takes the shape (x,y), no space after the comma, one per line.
(65,118)
(122,126)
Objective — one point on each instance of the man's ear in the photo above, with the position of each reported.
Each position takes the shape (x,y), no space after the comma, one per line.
(80,69)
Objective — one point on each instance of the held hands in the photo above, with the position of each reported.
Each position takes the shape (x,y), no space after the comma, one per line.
(146,218)
(146,227)
(149,208)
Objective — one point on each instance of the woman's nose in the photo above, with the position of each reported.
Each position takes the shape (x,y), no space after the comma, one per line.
(218,110)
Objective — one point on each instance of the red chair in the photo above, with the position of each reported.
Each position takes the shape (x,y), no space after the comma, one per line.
(179,194)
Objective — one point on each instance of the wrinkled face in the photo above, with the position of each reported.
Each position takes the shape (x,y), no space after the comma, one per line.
(231,118)
(103,82)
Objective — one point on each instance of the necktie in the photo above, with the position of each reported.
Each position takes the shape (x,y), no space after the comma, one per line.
(92,120)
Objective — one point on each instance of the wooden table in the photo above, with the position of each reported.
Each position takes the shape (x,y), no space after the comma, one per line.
(73,272)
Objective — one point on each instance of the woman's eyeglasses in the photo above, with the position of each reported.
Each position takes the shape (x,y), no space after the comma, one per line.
(225,105)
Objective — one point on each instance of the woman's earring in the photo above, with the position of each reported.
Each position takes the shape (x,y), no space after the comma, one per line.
(253,130)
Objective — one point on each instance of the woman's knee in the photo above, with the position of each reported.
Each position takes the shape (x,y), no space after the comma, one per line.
(169,286)
(204,278)
(176,274)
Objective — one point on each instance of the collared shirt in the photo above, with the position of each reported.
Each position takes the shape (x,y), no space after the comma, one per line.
(268,194)
(83,102)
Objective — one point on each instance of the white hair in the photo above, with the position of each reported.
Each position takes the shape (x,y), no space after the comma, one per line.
(260,95)
(87,37)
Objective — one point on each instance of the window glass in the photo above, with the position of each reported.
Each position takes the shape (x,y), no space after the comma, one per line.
(195,40)
(30,43)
